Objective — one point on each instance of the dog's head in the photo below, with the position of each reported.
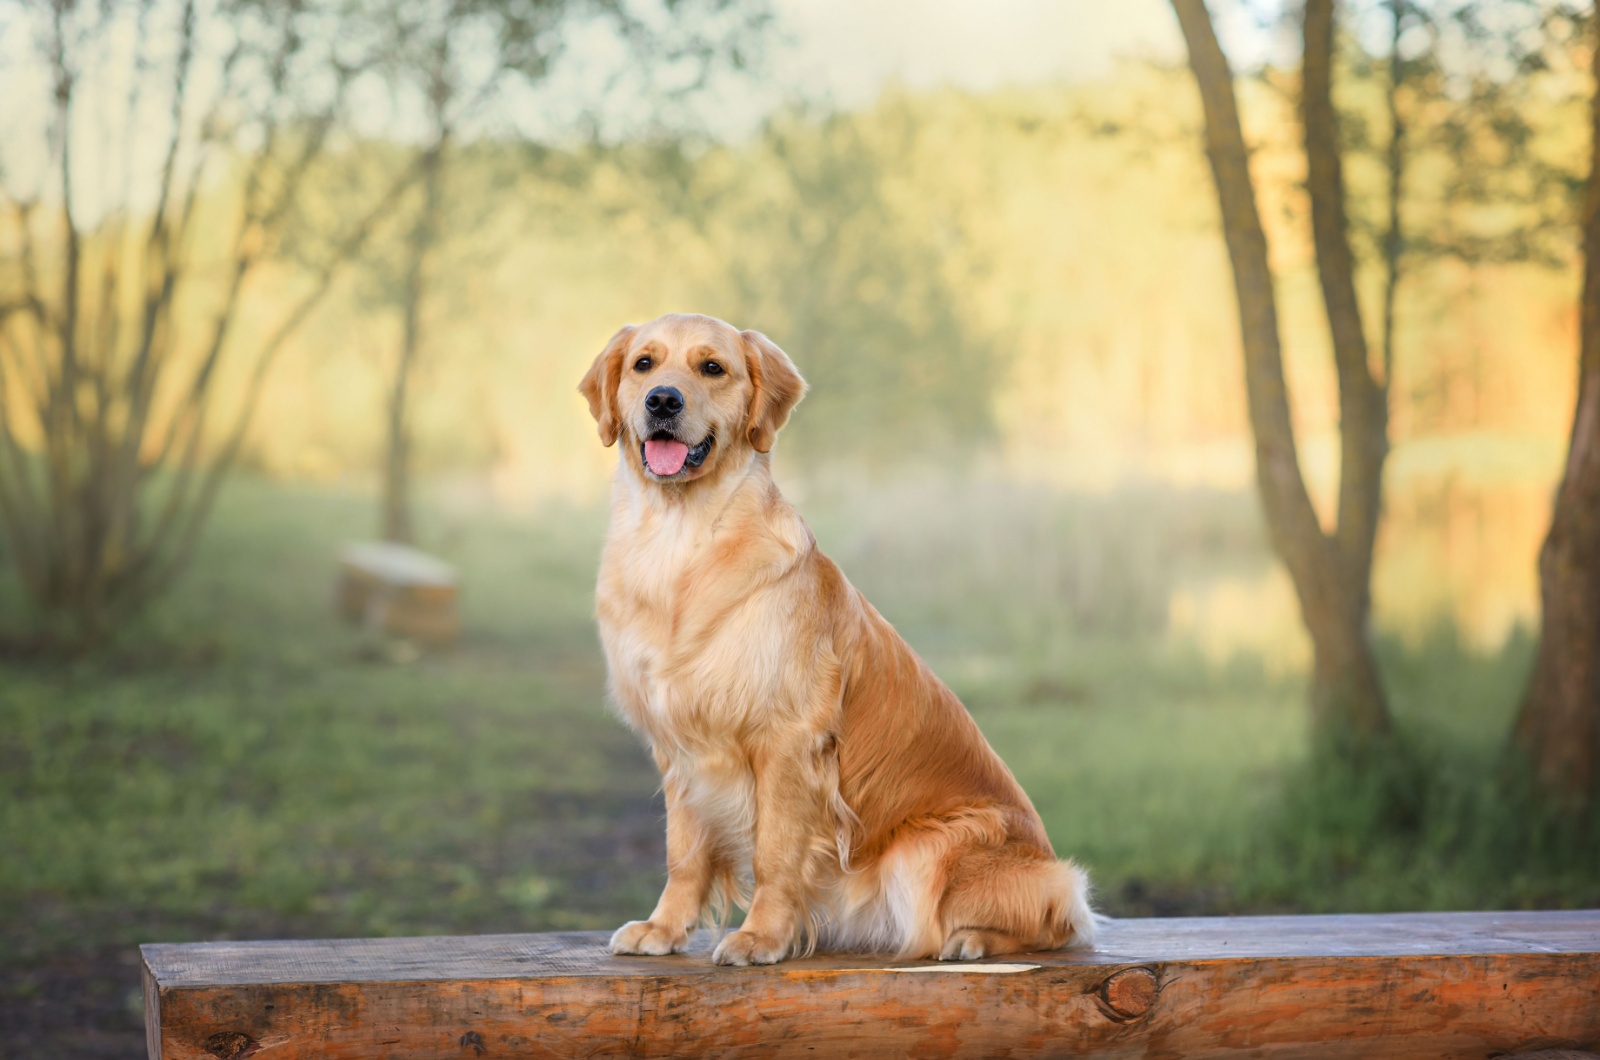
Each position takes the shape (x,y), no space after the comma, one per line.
(688,394)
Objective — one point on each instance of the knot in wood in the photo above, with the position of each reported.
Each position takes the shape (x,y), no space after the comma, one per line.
(1130,993)
(232,1045)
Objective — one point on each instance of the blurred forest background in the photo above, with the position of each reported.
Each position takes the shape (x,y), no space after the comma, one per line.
(278,277)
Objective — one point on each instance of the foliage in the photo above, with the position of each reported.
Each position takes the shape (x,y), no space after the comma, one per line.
(1488,100)
(1074,282)
(149,277)
(821,255)
(811,233)
(175,142)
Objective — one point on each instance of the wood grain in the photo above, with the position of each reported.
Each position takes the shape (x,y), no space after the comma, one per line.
(1448,985)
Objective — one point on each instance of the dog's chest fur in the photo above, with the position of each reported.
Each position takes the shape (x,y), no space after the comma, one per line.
(693,611)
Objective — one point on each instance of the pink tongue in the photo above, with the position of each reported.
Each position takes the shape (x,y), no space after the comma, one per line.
(665,458)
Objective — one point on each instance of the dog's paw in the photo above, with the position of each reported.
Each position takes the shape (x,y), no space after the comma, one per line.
(644,938)
(747,947)
(970,943)
(963,946)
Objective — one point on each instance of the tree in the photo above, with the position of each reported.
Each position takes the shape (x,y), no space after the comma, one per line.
(145,289)
(397,521)
(1558,728)
(428,50)
(173,139)
(1331,572)
(453,59)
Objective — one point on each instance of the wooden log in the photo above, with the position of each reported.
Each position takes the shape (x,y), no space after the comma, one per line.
(400,590)
(1404,985)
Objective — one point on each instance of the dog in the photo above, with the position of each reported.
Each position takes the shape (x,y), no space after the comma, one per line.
(816,772)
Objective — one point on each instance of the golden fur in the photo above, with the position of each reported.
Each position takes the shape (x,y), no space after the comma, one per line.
(801,742)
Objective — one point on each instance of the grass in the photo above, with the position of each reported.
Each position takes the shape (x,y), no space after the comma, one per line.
(246,756)
(242,764)
(1439,820)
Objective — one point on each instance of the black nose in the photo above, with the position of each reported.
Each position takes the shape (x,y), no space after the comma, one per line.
(664,401)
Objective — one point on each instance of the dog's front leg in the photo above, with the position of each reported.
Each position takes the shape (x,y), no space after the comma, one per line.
(691,867)
(787,815)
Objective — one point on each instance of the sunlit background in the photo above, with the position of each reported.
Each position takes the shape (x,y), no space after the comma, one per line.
(987,236)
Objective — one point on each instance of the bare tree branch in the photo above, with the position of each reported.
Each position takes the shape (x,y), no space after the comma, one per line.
(164,261)
(181,516)
(247,252)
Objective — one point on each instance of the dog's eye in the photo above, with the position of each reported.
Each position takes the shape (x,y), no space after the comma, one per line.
(711,368)
(643,364)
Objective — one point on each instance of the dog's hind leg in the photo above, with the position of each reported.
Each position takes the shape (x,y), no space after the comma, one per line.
(1012,898)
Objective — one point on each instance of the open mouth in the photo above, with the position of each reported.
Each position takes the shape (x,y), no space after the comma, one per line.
(664,456)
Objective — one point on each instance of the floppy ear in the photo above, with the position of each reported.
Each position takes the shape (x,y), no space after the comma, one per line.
(600,385)
(777,388)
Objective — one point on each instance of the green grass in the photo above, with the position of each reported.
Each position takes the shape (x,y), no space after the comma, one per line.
(246,760)
(1439,820)
(244,764)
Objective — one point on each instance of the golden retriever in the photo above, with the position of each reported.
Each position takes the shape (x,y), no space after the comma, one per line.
(801,742)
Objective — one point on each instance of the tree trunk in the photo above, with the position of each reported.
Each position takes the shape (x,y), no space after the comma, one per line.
(1357,694)
(1558,728)
(397,521)
(1331,574)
